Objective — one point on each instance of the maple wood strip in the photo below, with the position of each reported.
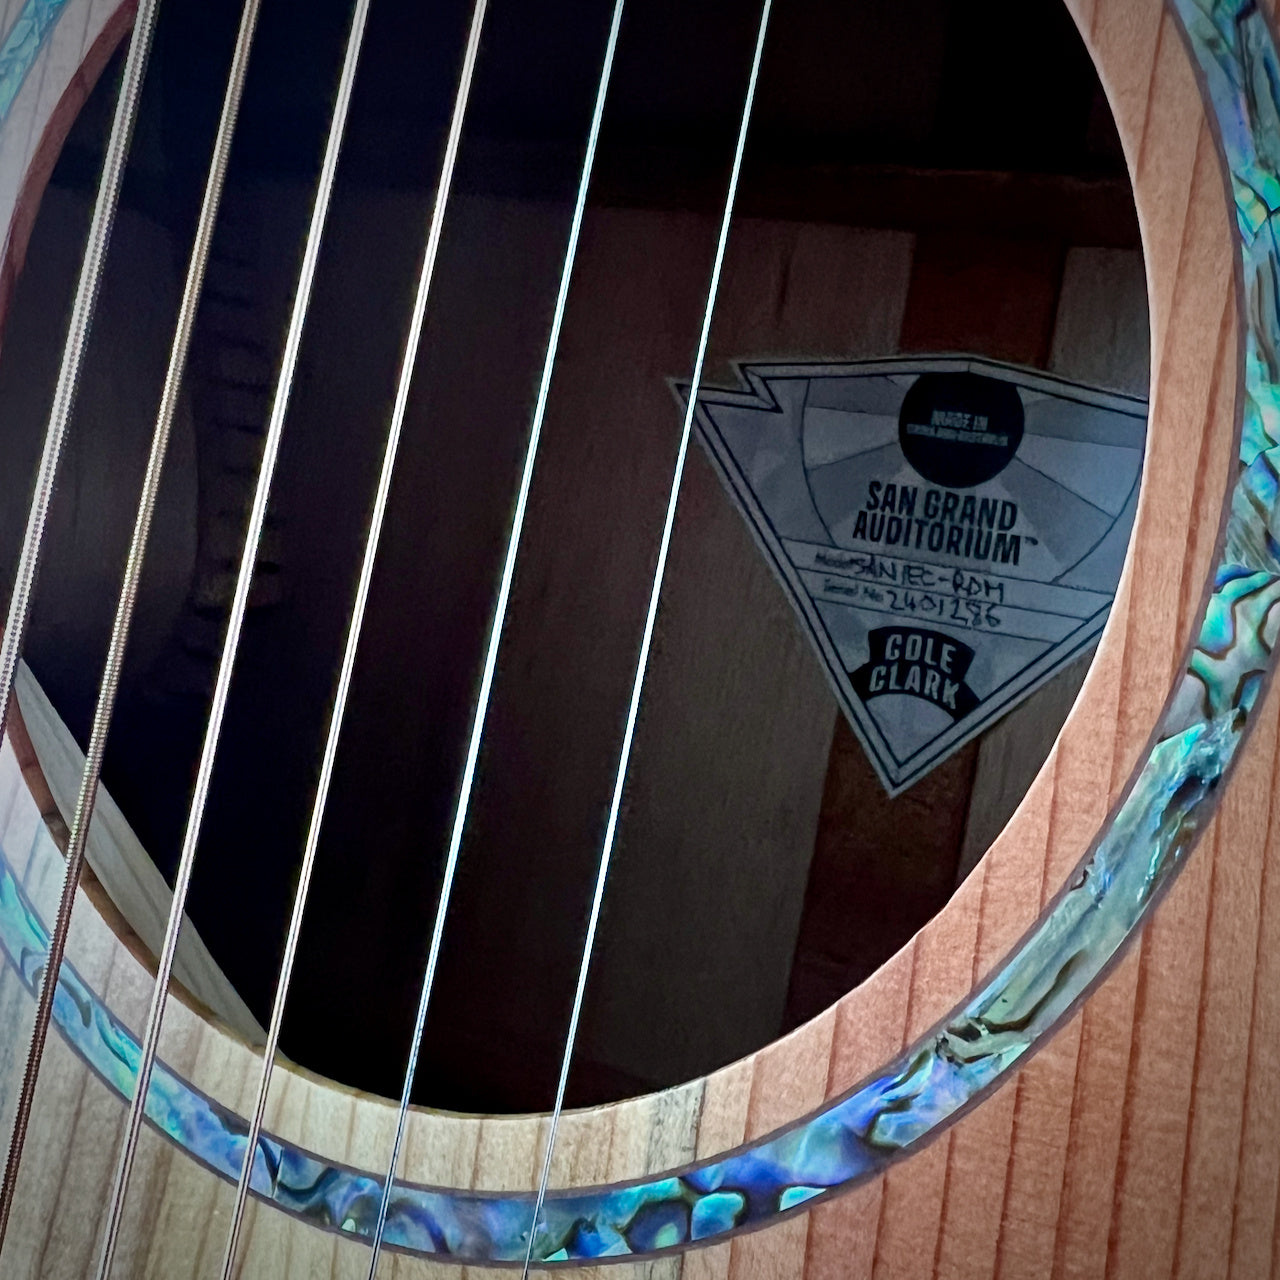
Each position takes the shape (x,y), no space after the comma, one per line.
(173,1228)
(668,1130)
(37,1241)
(18,1013)
(707,1264)
(668,1268)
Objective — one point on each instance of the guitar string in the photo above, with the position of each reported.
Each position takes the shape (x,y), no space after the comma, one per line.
(642,661)
(412,343)
(83,815)
(495,633)
(73,353)
(231,642)
(86,298)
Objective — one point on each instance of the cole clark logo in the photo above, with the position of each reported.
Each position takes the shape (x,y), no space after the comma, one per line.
(922,664)
(950,531)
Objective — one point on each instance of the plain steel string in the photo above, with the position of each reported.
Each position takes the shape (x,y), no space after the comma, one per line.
(222,686)
(64,396)
(128,596)
(642,662)
(495,632)
(381,498)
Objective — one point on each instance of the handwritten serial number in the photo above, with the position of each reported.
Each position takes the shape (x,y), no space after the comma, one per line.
(974,613)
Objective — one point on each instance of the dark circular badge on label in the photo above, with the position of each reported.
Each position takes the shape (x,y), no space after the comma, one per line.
(959,429)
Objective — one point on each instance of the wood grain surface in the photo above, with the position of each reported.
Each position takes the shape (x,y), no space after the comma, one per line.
(1139,1142)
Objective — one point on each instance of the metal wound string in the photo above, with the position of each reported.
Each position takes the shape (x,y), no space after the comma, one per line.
(642,662)
(495,630)
(110,683)
(82,309)
(222,685)
(347,669)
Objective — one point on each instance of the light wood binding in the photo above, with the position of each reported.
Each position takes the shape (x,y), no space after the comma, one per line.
(1139,1142)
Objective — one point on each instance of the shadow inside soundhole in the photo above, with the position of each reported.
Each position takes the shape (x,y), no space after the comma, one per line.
(922,177)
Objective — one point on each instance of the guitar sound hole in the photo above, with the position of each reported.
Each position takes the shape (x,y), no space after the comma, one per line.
(922,179)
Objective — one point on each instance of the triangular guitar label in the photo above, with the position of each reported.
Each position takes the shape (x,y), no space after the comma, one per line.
(951,531)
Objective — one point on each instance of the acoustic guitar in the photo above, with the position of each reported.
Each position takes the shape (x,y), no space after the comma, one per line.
(1067,1071)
